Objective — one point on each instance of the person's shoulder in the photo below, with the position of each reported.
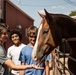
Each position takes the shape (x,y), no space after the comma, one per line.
(11,47)
(25,48)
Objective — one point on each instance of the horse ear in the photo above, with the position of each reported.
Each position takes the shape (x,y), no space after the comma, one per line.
(48,15)
(42,15)
(46,12)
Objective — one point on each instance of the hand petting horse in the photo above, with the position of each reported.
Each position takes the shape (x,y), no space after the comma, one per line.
(53,28)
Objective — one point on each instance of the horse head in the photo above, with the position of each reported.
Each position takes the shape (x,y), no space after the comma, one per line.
(52,29)
(45,38)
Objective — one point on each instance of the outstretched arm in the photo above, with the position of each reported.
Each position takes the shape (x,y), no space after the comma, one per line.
(11,65)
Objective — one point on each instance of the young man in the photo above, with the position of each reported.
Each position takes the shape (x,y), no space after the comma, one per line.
(14,50)
(26,52)
(4,60)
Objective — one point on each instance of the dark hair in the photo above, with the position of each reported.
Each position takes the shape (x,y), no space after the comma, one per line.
(15,31)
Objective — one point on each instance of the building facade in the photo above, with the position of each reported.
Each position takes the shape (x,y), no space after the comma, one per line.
(14,17)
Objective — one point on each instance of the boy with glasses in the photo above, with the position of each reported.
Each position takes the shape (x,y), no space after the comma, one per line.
(26,52)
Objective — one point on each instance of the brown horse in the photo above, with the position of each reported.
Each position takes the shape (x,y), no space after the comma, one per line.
(53,28)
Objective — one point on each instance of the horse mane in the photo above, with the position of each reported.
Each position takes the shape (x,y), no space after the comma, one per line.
(61,18)
(66,23)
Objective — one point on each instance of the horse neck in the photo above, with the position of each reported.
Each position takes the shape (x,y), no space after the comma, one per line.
(68,26)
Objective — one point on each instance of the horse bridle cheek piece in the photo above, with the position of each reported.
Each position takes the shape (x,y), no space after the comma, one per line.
(46,43)
(49,37)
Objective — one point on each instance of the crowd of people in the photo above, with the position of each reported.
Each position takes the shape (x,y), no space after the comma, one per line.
(17,60)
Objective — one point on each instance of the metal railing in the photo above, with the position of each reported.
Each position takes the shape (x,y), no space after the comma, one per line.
(57,70)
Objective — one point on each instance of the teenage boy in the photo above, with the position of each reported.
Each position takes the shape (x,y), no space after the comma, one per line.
(26,52)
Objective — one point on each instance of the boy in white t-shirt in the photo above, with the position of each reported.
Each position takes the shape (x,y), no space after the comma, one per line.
(14,50)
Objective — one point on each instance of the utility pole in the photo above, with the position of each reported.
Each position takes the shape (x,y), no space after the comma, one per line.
(19,2)
(2,11)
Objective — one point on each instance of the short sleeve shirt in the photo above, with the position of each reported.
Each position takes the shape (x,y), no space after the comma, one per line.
(3,58)
(25,56)
(13,53)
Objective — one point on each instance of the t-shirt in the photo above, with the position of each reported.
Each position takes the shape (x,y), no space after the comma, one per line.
(3,58)
(25,56)
(13,53)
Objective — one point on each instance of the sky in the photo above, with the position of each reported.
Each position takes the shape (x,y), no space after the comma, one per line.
(32,7)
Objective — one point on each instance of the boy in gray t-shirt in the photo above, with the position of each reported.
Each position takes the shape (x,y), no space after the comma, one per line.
(3,58)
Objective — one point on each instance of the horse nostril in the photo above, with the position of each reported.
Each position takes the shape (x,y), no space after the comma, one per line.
(35,58)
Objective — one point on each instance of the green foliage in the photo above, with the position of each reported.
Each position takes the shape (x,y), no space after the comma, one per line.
(73,13)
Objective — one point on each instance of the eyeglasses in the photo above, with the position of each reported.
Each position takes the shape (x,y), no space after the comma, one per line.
(32,36)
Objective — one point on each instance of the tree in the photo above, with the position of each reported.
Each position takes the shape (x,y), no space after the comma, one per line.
(73,13)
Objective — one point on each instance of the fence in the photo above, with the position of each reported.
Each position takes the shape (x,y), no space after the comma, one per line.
(61,67)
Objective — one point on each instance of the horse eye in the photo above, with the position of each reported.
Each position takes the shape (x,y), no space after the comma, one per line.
(45,31)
